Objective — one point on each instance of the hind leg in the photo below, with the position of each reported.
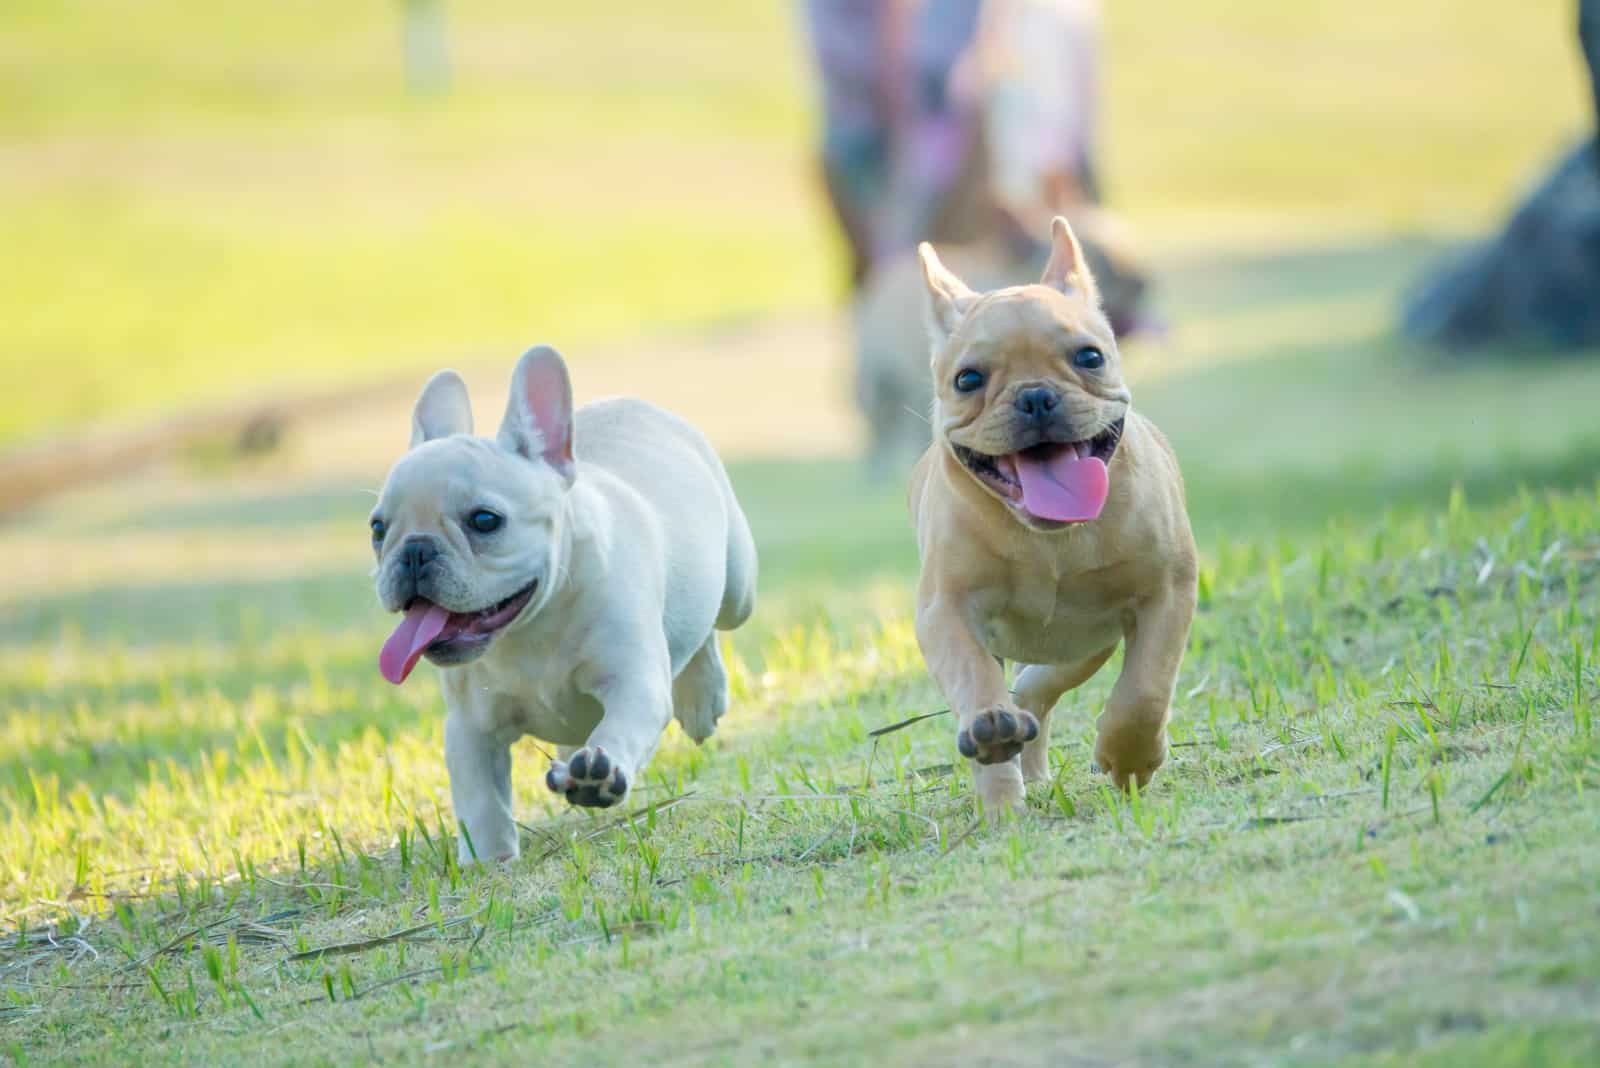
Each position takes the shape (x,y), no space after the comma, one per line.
(700,692)
(739,578)
(1039,687)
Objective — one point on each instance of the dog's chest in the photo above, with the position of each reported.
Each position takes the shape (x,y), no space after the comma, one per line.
(549,708)
(1047,623)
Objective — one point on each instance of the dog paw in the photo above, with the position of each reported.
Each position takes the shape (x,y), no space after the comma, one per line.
(1128,759)
(997,734)
(588,778)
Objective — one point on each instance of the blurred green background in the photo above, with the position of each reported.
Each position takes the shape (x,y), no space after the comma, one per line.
(201,201)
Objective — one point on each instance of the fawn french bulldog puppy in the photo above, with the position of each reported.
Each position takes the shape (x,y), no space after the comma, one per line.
(568,575)
(1051,526)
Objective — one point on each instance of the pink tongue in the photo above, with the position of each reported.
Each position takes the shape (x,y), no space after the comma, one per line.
(1064,488)
(424,620)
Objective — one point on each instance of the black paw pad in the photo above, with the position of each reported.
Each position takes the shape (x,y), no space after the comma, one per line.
(589,779)
(996,735)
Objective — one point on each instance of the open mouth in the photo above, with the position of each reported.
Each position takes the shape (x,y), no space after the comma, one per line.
(445,636)
(1052,481)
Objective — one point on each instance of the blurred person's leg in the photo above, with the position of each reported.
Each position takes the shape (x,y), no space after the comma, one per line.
(1039,69)
(1067,143)
(939,133)
(851,42)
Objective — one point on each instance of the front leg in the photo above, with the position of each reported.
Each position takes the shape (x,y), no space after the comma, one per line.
(480,789)
(1132,740)
(636,705)
(990,730)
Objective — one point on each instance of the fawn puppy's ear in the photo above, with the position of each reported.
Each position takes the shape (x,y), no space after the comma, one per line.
(949,299)
(1067,270)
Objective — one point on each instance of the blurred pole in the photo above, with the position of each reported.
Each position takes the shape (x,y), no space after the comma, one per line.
(1589,42)
(427,48)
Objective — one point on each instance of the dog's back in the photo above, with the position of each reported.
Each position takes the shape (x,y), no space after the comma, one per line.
(669,464)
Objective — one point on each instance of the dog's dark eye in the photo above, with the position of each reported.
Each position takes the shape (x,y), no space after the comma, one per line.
(968,380)
(379,528)
(485,521)
(1088,358)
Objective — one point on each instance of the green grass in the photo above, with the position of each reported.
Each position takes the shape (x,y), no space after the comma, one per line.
(205,201)
(1373,844)
(1384,766)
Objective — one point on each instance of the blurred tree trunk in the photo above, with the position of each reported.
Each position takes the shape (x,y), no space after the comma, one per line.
(427,47)
(1538,282)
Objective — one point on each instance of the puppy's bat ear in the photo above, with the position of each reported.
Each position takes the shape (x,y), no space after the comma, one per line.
(442,409)
(1068,270)
(949,299)
(538,422)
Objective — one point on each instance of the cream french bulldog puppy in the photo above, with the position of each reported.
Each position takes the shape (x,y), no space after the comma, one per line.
(568,575)
(1051,525)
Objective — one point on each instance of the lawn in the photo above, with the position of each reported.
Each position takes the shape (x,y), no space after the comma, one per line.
(226,838)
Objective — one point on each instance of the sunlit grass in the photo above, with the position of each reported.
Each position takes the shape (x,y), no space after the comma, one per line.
(1373,721)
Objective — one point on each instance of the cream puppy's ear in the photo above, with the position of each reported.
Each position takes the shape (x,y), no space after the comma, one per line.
(949,299)
(442,409)
(1068,271)
(538,422)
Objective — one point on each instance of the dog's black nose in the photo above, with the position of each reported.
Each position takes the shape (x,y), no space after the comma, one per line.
(415,555)
(1037,403)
